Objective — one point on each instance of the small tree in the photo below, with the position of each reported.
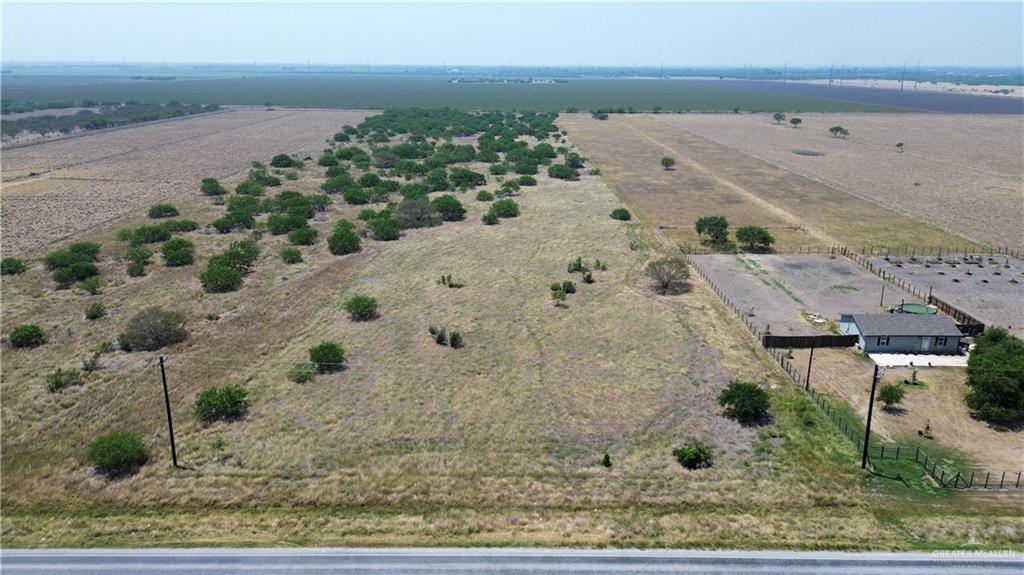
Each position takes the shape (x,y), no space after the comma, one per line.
(995,376)
(716,228)
(899,147)
(211,187)
(505,208)
(117,453)
(95,311)
(327,356)
(178,252)
(225,403)
(621,214)
(796,122)
(744,401)
(669,274)
(291,255)
(778,117)
(152,329)
(220,278)
(361,307)
(162,211)
(839,131)
(891,394)
(667,162)
(343,240)
(754,237)
(693,454)
(449,207)
(301,372)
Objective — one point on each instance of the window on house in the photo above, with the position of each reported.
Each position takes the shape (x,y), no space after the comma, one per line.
(940,341)
(883,340)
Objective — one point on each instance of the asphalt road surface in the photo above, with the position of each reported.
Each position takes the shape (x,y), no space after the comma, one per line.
(495,561)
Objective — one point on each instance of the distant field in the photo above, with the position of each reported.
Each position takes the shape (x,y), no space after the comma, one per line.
(393,91)
(714,179)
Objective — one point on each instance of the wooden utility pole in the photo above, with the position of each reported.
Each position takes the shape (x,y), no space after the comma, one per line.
(167,403)
(867,428)
(807,382)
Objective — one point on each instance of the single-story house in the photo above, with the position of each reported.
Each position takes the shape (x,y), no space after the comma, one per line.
(902,333)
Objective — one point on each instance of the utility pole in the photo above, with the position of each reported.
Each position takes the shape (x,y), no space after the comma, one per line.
(167,403)
(903,75)
(871,409)
(807,382)
(881,300)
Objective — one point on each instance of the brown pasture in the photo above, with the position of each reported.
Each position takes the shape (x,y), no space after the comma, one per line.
(714,179)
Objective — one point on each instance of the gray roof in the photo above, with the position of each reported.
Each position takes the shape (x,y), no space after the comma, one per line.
(909,324)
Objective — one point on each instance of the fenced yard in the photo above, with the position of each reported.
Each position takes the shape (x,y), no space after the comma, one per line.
(796,294)
(844,376)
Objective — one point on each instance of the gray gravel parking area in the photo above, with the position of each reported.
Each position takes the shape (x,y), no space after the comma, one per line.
(781,291)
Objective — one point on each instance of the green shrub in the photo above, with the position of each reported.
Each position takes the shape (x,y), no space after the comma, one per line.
(526,167)
(361,307)
(455,339)
(891,394)
(355,196)
(284,161)
(59,379)
(568,287)
(91,363)
(505,208)
(291,176)
(11,266)
(606,461)
(754,237)
(178,252)
(693,454)
(384,229)
(498,169)
(249,188)
(588,278)
(139,254)
(562,172)
(440,335)
(26,335)
(240,256)
(344,239)
(995,376)
(220,278)
(211,187)
(136,269)
(527,181)
(621,214)
(490,219)
(152,329)
(91,285)
(744,401)
(282,223)
(484,196)
(327,356)
(303,236)
(223,403)
(175,226)
(89,250)
(301,372)
(162,211)
(117,453)
(95,311)
(291,255)
(149,234)
(449,207)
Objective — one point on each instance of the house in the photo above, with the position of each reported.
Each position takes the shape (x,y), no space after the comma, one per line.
(902,333)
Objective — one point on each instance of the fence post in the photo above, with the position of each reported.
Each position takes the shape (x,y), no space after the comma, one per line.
(1001,480)
(881,453)
(897,453)
(1018,480)
(986,478)
(916,453)
(971,482)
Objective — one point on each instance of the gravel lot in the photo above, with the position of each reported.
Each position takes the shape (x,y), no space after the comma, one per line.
(777,291)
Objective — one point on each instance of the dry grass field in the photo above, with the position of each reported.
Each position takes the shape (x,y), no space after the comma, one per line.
(496,443)
(83,182)
(721,178)
(962,173)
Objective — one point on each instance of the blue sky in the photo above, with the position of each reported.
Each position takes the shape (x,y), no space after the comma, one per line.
(802,34)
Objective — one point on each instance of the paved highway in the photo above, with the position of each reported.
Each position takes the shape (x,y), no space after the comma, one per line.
(494,561)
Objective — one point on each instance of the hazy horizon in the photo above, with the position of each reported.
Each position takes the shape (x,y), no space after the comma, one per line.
(607,35)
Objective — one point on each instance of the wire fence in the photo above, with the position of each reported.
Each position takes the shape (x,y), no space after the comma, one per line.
(943,474)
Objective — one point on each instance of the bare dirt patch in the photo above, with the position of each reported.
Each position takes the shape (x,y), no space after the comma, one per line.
(962,173)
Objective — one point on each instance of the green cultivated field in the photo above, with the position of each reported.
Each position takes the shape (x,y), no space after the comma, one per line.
(396,91)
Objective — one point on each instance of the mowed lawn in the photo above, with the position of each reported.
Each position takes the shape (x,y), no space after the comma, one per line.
(714,179)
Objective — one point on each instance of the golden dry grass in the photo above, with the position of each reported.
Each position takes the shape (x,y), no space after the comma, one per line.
(713,179)
(495,443)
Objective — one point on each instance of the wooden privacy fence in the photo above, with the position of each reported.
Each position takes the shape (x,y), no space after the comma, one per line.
(944,476)
(806,341)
